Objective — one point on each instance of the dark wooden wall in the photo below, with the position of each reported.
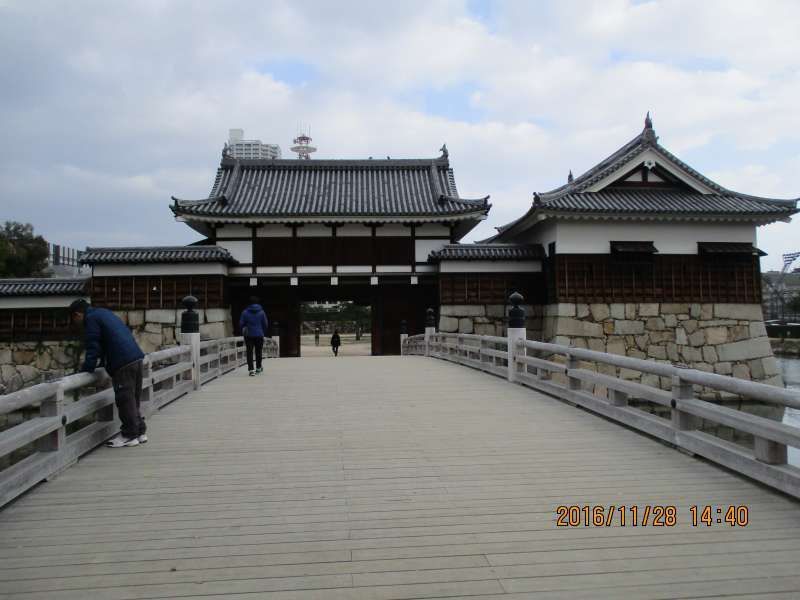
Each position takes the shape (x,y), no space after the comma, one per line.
(36,324)
(316,251)
(157,292)
(490,288)
(656,278)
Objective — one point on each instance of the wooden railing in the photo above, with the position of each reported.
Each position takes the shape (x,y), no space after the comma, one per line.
(64,430)
(571,374)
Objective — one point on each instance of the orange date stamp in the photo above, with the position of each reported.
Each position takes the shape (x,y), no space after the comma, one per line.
(649,515)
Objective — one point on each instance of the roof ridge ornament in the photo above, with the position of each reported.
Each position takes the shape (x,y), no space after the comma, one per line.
(537,199)
(570,177)
(649,134)
(443,150)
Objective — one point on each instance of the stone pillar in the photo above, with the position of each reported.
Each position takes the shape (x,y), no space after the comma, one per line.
(516,332)
(403,334)
(430,329)
(276,337)
(190,335)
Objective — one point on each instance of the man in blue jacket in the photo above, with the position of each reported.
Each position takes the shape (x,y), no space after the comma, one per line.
(254,326)
(109,340)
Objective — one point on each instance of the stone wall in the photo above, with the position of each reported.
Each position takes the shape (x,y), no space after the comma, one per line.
(486,319)
(26,363)
(728,339)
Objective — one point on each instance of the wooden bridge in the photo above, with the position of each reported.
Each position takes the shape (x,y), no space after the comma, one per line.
(384,478)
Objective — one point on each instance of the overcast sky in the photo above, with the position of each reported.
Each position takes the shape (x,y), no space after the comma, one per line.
(109,108)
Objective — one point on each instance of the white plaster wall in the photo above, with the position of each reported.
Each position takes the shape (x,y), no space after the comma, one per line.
(314,230)
(433,229)
(593,237)
(38,301)
(240,271)
(275,230)
(393,230)
(354,268)
(659,160)
(231,230)
(393,269)
(356,230)
(240,250)
(315,269)
(168,269)
(490,266)
(422,248)
(268,270)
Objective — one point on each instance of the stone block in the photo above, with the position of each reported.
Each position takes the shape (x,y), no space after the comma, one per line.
(702,366)
(757,329)
(741,371)
(580,343)
(642,341)
(709,354)
(463,310)
(740,332)
(597,344)
(742,312)
(672,352)
(30,374)
(159,316)
(44,360)
(673,308)
(628,327)
(5,356)
(562,340)
(23,357)
(616,345)
(153,328)
(485,329)
(716,335)
(657,352)
(680,336)
(600,312)
(218,315)
(135,318)
(630,311)
(745,349)
(448,324)
(656,323)
(698,338)
(212,331)
(650,379)
(723,368)
(756,368)
(617,310)
(771,366)
(498,311)
(690,325)
(718,323)
(564,309)
(694,310)
(634,353)
(576,328)
(582,310)
(7,372)
(690,354)
(477,320)
(465,325)
(630,374)
(659,337)
(608,327)
(670,320)
(648,309)
(706,312)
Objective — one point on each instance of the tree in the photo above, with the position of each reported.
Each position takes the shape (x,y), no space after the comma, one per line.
(22,254)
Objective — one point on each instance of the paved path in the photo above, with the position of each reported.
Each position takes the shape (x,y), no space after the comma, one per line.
(386,478)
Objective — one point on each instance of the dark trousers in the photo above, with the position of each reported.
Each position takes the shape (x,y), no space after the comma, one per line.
(128,396)
(335,350)
(254,345)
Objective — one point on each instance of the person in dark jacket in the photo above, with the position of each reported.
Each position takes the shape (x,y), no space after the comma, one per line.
(109,340)
(254,325)
(336,341)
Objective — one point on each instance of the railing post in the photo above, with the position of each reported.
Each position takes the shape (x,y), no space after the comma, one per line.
(516,332)
(573,383)
(276,337)
(430,329)
(682,390)
(769,452)
(403,336)
(53,407)
(190,336)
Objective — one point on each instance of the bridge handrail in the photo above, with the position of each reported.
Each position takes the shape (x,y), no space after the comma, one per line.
(168,374)
(561,371)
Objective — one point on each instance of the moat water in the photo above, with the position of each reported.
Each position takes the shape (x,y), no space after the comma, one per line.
(791,376)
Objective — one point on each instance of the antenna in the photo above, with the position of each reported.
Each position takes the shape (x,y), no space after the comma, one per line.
(302,144)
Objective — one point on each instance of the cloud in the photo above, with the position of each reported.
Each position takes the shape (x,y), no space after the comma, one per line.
(110,108)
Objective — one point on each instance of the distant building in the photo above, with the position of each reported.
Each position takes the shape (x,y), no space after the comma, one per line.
(775,285)
(238,147)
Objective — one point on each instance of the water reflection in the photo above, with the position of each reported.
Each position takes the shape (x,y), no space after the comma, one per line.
(791,376)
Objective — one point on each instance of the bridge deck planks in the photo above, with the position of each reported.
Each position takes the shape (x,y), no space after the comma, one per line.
(385,478)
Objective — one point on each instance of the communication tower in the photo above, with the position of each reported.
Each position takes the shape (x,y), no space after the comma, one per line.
(302,146)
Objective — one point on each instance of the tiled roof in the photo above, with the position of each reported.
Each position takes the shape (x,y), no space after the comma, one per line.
(157,254)
(729,248)
(575,197)
(335,188)
(662,201)
(488,252)
(72,286)
(634,247)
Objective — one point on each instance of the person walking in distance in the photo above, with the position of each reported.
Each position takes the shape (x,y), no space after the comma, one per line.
(109,340)
(254,325)
(336,341)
